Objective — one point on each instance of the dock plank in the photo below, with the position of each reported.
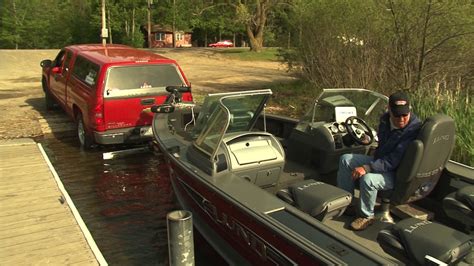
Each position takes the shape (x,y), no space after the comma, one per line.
(13,200)
(31,211)
(32,185)
(31,221)
(19,202)
(33,245)
(30,193)
(66,254)
(35,227)
(18,176)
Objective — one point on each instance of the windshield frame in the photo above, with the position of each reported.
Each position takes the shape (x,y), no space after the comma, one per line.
(315,114)
(214,116)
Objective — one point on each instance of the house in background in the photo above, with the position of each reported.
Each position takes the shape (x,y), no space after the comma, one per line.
(162,36)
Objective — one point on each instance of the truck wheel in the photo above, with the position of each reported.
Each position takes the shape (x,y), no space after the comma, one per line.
(85,141)
(50,104)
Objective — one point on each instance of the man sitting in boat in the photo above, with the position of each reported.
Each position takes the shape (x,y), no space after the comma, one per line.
(398,127)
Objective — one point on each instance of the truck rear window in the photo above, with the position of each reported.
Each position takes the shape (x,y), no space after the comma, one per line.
(125,81)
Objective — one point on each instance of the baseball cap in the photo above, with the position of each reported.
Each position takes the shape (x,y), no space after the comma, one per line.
(399,103)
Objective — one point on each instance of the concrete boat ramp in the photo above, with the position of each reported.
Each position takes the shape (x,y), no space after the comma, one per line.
(39,223)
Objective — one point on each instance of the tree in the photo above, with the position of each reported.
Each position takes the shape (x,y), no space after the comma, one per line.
(254,14)
(34,24)
(386,45)
(211,20)
(13,15)
(429,37)
(133,12)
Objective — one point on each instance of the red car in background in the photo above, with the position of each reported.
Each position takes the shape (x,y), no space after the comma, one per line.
(224,43)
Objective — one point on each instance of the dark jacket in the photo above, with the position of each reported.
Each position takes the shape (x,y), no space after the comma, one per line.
(393,143)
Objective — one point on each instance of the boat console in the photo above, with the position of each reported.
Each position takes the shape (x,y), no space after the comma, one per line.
(334,126)
(258,157)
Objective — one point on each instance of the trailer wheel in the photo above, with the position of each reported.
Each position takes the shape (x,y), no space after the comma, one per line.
(85,140)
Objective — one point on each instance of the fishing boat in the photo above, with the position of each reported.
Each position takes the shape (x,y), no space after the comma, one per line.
(262,188)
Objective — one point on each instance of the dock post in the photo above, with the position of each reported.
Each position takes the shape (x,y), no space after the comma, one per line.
(180,238)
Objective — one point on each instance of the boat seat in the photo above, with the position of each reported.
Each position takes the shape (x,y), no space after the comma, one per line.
(420,242)
(318,199)
(459,205)
(422,164)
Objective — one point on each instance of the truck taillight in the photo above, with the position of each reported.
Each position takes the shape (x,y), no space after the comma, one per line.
(99,118)
(187,97)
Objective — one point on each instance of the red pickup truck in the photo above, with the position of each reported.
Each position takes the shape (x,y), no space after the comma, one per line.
(108,89)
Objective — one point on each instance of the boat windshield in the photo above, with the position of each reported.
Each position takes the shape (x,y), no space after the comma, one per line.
(336,105)
(227,112)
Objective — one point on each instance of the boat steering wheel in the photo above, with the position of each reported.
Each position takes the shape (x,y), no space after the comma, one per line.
(358,129)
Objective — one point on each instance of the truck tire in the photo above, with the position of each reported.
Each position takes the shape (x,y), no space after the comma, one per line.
(50,104)
(49,100)
(85,141)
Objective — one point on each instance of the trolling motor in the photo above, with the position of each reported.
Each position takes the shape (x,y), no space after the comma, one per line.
(174,97)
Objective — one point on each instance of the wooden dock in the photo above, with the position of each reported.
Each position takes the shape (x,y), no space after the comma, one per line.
(39,223)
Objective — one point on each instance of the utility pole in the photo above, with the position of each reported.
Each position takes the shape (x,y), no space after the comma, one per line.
(110,26)
(174,24)
(150,2)
(104,33)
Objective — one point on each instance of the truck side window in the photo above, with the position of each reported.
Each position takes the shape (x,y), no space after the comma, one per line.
(58,61)
(67,60)
(86,71)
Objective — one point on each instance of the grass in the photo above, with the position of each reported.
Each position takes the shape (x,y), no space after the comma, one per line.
(456,104)
(267,54)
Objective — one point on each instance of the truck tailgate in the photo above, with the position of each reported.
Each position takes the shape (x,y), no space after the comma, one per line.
(128,112)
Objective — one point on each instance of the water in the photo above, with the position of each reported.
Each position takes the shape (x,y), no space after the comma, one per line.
(123,201)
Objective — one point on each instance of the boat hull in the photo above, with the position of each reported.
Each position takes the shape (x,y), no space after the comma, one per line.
(227,227)
(217,175)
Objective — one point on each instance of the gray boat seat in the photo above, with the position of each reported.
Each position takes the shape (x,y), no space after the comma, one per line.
(419,242)
(318,199)
(459,205)
(422,164)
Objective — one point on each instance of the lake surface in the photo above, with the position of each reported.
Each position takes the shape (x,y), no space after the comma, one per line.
(123,201)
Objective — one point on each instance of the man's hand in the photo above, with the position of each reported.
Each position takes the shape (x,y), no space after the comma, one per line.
(365,139)
(358,172)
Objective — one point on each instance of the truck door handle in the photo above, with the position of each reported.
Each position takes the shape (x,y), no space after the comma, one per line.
(148,101)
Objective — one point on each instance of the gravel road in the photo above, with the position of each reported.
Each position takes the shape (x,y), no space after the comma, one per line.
(22,108)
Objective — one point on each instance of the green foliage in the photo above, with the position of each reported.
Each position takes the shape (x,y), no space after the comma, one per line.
(16,24)
(135,40)
(56,23)
(458,105)
(212,22)
(292,99)
(383,44)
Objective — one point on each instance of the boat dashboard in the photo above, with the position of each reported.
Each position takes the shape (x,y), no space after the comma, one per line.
(337,136)
(336,128)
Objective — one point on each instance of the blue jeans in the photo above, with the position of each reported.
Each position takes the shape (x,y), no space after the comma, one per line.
(370,183)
